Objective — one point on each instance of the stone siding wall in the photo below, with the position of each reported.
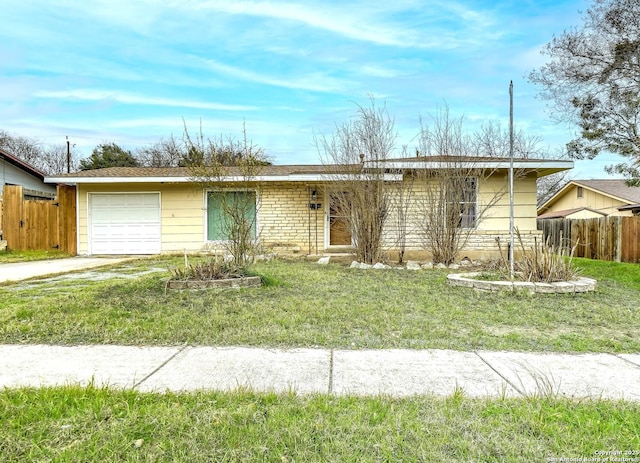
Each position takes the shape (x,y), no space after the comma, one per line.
(285,220)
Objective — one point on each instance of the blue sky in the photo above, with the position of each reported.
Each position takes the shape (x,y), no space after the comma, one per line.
(130,71)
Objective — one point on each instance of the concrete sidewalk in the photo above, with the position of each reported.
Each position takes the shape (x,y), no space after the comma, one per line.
(23,270)
(360,372)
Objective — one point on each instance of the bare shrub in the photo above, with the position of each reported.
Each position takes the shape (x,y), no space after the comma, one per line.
(360,197)
(545,263)
(214,268)
(448,201)
(232,189)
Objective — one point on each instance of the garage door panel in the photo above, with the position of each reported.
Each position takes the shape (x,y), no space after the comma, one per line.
(125,223)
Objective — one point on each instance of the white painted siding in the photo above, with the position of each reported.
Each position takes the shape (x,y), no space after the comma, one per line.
(10,174)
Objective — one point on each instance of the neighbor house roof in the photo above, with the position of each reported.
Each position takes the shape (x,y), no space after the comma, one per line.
(294,172)
(630,207)
(20,164)
(617,188)
(614,188)
(568,212)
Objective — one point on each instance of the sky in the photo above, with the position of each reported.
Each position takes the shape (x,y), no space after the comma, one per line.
(135,71)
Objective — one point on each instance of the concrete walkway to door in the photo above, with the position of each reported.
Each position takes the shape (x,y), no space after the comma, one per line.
(24,270)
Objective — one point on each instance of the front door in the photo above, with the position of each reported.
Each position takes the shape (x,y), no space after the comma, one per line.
(339,230)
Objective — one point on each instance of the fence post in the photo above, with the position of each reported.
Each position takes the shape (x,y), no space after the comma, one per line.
(617,223)
(12,205)
(67,232)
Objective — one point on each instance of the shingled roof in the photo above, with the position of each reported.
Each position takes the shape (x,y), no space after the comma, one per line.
(311,172)
(613,187)
(568,212)
(181,172)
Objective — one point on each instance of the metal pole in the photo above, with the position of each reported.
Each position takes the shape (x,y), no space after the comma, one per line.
(511,201)
(309,209)
(316,188)
(68,156)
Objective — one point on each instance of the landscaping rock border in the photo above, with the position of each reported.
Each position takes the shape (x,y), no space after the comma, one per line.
(579,285)
(244,282)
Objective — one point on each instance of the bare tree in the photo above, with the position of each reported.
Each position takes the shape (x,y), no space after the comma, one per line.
(402,199)
(56,159)
(592,78)
(167,152)
(232,191)
(360,200)
(449,203)
(492,140)
(50,159)
(549,185)
(27,149)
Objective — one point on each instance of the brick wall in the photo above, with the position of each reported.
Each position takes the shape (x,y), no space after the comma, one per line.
(285,220)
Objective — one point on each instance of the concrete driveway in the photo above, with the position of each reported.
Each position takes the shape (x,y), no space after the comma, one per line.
(24,270)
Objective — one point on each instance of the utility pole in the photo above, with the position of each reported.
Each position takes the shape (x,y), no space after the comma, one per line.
(68,156)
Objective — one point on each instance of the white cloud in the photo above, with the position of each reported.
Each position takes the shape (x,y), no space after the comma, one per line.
(324,17)
(317,82)
(378,71)
(127,98)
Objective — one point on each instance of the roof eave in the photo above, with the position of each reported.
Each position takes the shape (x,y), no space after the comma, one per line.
(230,179)
(542,167)
(547,204)
(19,163)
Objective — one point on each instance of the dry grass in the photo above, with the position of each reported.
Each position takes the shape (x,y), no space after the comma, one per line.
(546,263)
(304,305)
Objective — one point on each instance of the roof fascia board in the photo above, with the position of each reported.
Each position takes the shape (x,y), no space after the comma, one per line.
(562,165)
(232,179)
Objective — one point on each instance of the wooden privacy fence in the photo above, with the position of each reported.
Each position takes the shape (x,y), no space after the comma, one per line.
(39,223)
(607,238)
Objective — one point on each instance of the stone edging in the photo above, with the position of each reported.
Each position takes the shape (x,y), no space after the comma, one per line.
(243,282)
(580,285)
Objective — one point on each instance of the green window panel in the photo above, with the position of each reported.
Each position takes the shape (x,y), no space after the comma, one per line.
(221,206)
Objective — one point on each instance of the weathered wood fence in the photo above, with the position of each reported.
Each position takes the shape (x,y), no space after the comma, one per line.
(608,238)
(39,223)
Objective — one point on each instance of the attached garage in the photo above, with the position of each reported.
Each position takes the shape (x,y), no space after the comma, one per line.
(124,223)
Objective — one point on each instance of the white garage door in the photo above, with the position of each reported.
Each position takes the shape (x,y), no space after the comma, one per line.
(124,223)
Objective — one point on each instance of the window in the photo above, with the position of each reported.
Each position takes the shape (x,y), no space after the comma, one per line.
(580,192)
(462,207)
(223,206)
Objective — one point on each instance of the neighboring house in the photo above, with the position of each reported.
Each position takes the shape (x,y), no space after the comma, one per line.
(592,198)
(14,171)
(577,213)
(161,210)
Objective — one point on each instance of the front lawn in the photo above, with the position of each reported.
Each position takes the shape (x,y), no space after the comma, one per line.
(74,424)
(7,257)
(307,305)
